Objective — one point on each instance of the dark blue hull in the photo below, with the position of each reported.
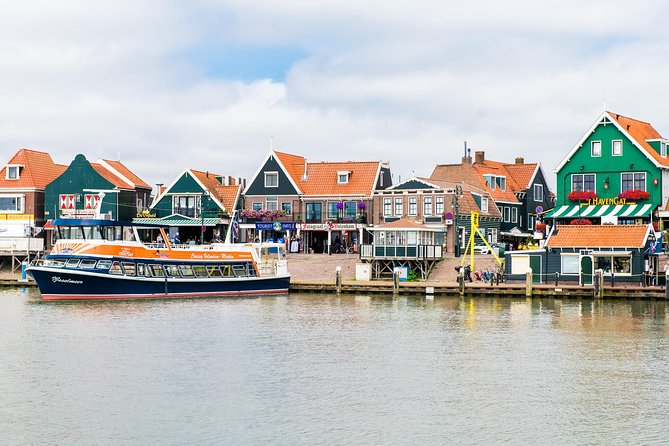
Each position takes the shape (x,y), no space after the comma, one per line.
(64,284)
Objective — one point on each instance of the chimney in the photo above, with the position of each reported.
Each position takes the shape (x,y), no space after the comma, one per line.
(479,156)
(241,182)
(520,160)
(305,175)
(466,160)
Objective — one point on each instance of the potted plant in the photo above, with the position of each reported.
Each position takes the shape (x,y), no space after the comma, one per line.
(634,195)
(581,221)
(581,195)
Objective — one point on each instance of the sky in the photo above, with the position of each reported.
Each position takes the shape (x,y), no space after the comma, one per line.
(213,85)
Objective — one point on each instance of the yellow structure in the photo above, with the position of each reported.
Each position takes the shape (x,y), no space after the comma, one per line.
(470,243)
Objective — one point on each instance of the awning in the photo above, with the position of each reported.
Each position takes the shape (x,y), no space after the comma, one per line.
(516,232)
(621,210)
(179,221)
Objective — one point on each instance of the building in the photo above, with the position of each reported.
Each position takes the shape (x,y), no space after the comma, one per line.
(519,190)
(328,204)
(106,189)
(198,205)
(22,184)
(618,172)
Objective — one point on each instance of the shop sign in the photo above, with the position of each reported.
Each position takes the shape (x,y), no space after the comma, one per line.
(326,226)
(276,226)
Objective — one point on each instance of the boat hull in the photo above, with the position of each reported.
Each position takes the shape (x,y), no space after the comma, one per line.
(63,284)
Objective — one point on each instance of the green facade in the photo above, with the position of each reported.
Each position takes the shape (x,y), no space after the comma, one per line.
(185,185)
(607,168)
(78,179)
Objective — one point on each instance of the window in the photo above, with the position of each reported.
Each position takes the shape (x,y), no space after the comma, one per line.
(569,264)
(213,271)
(128,268)
(272,203)
(200,271)
(287,208)
(399,205)
(583,182)
(633,181)
(186,270)
(115,268)
(494,182)
(596,148)
(507,214)
(333,212)
(87,264)
(427,206)
(342,177)
(501,182)
(350,210)
(439,205)
(538,192)
(514,215)
(157,271)
(314,212)
(13,172)
(387,206)
(257,206)
(484,205)
(103,264)
(663,149)
(185,205)
(413,206)
(271,179)
(11,203)
(492,235)
(530,221)
(617,147)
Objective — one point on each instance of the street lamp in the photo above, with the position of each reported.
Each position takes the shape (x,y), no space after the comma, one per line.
(455,202)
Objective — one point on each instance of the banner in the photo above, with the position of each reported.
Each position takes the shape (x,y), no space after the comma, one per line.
(276,226)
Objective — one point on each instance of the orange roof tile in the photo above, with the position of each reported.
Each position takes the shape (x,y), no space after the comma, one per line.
(640,131)
(38,170)
(294,164)
(467,202)
(402,223)
(227,195)
(111,177)
(598,236)
(522,173)
(123,170)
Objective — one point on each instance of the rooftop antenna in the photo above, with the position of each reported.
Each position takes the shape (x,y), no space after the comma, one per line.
(465,147)
(271,143)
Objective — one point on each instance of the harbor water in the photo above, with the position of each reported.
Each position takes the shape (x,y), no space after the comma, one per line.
(325,369)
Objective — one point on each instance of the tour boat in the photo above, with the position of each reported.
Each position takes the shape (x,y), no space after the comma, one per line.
(104,259)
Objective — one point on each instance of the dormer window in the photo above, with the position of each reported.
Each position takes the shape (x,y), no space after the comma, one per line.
(13,171)
(663,149)
(495,182)
(271,179)
(342,176)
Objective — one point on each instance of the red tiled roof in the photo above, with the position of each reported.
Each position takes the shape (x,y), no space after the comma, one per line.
(640,131)
(111,177)
(227,195)
(598,236)
(322,178)
(123,170)
(467,202)
(522,173)
(402,223)
(38,170)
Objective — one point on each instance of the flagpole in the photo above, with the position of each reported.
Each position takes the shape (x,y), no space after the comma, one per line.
(233,221)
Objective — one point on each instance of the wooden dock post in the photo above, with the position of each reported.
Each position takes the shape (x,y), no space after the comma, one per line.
(666,289)
(528,284)
(461,282)
(599,284)
(338,279)
(396,281)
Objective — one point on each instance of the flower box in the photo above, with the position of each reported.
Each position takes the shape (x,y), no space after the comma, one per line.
(581,221)
(634,195)
(582,195)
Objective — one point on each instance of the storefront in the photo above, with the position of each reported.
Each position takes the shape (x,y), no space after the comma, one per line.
(338,237)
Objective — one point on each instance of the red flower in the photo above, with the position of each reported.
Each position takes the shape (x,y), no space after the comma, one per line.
(580,221)
(634,195)
(579,195)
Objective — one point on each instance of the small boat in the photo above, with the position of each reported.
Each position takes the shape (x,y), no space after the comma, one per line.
(105,259)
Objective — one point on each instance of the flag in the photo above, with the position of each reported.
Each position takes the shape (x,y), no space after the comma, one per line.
(235,229)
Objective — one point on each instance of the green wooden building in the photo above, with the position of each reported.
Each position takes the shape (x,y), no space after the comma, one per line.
(617,173)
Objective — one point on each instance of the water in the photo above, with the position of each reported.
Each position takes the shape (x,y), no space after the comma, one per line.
(321,369)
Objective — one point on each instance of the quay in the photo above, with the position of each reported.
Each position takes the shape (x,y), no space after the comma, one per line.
(316,273)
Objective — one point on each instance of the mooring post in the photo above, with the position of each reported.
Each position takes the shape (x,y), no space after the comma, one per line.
(396,281)
(613,279)
(666,289)
(528,284)
(461,281)
(598,282)
(492,279)
(338,279)
(557,277)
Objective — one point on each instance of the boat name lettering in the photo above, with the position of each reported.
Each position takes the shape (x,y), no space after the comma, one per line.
(125,252)
(204,256)
(61,280)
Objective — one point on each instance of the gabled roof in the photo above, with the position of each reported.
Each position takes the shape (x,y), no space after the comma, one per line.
(599,236)
(225,195)
(523,174)
(38,170)
(403,223)
(110,176)
(120,170)
(638,132)
(322,179)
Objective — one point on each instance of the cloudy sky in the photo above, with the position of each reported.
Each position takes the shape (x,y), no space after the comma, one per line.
(207,84)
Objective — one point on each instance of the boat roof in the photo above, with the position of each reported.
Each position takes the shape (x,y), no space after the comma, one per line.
(100,222)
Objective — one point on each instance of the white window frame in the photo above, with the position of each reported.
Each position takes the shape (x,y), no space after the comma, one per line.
(20,203)
(539,196)
(427,205)
(663,149)
(400,201)
(413,206)
(439,205)
(343,176)
(593,153)
(287,207)
(634,175)
(484,205)
(256,206)
(387,206)
(613,147)
(571,257)
(507,214)
(13,167)
(514,215)
(583,175)
(269,175)
(502,184)
(530,221)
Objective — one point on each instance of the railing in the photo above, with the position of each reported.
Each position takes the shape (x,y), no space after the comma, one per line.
(21,244)
(401,252)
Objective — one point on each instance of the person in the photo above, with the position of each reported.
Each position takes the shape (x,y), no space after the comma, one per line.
(337,245)
(177,240)
(159,239)
(325,246)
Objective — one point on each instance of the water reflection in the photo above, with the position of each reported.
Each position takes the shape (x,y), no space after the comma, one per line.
(328,369)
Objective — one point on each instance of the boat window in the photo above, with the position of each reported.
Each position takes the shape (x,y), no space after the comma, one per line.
(89,232)
(71,233)
(87,264)
(115,268)
(214,271)
(157,271)
(227,270)
(104,264)
(239,270)
(172,271)
(128,234)
(186,270)
(128,268)
(250,270)
(143,271)
(72,263)
(55,262)
(200,270)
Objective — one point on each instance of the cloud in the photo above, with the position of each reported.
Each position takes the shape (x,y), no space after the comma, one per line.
(407,82)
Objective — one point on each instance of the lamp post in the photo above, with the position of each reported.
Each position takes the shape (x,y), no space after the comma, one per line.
(455,202)
(204,194)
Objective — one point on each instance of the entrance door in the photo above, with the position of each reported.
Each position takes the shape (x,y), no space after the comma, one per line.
(586,270)
(535,265)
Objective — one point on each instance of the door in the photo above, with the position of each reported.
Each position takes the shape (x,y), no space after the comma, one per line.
(535,265)
(586,270)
